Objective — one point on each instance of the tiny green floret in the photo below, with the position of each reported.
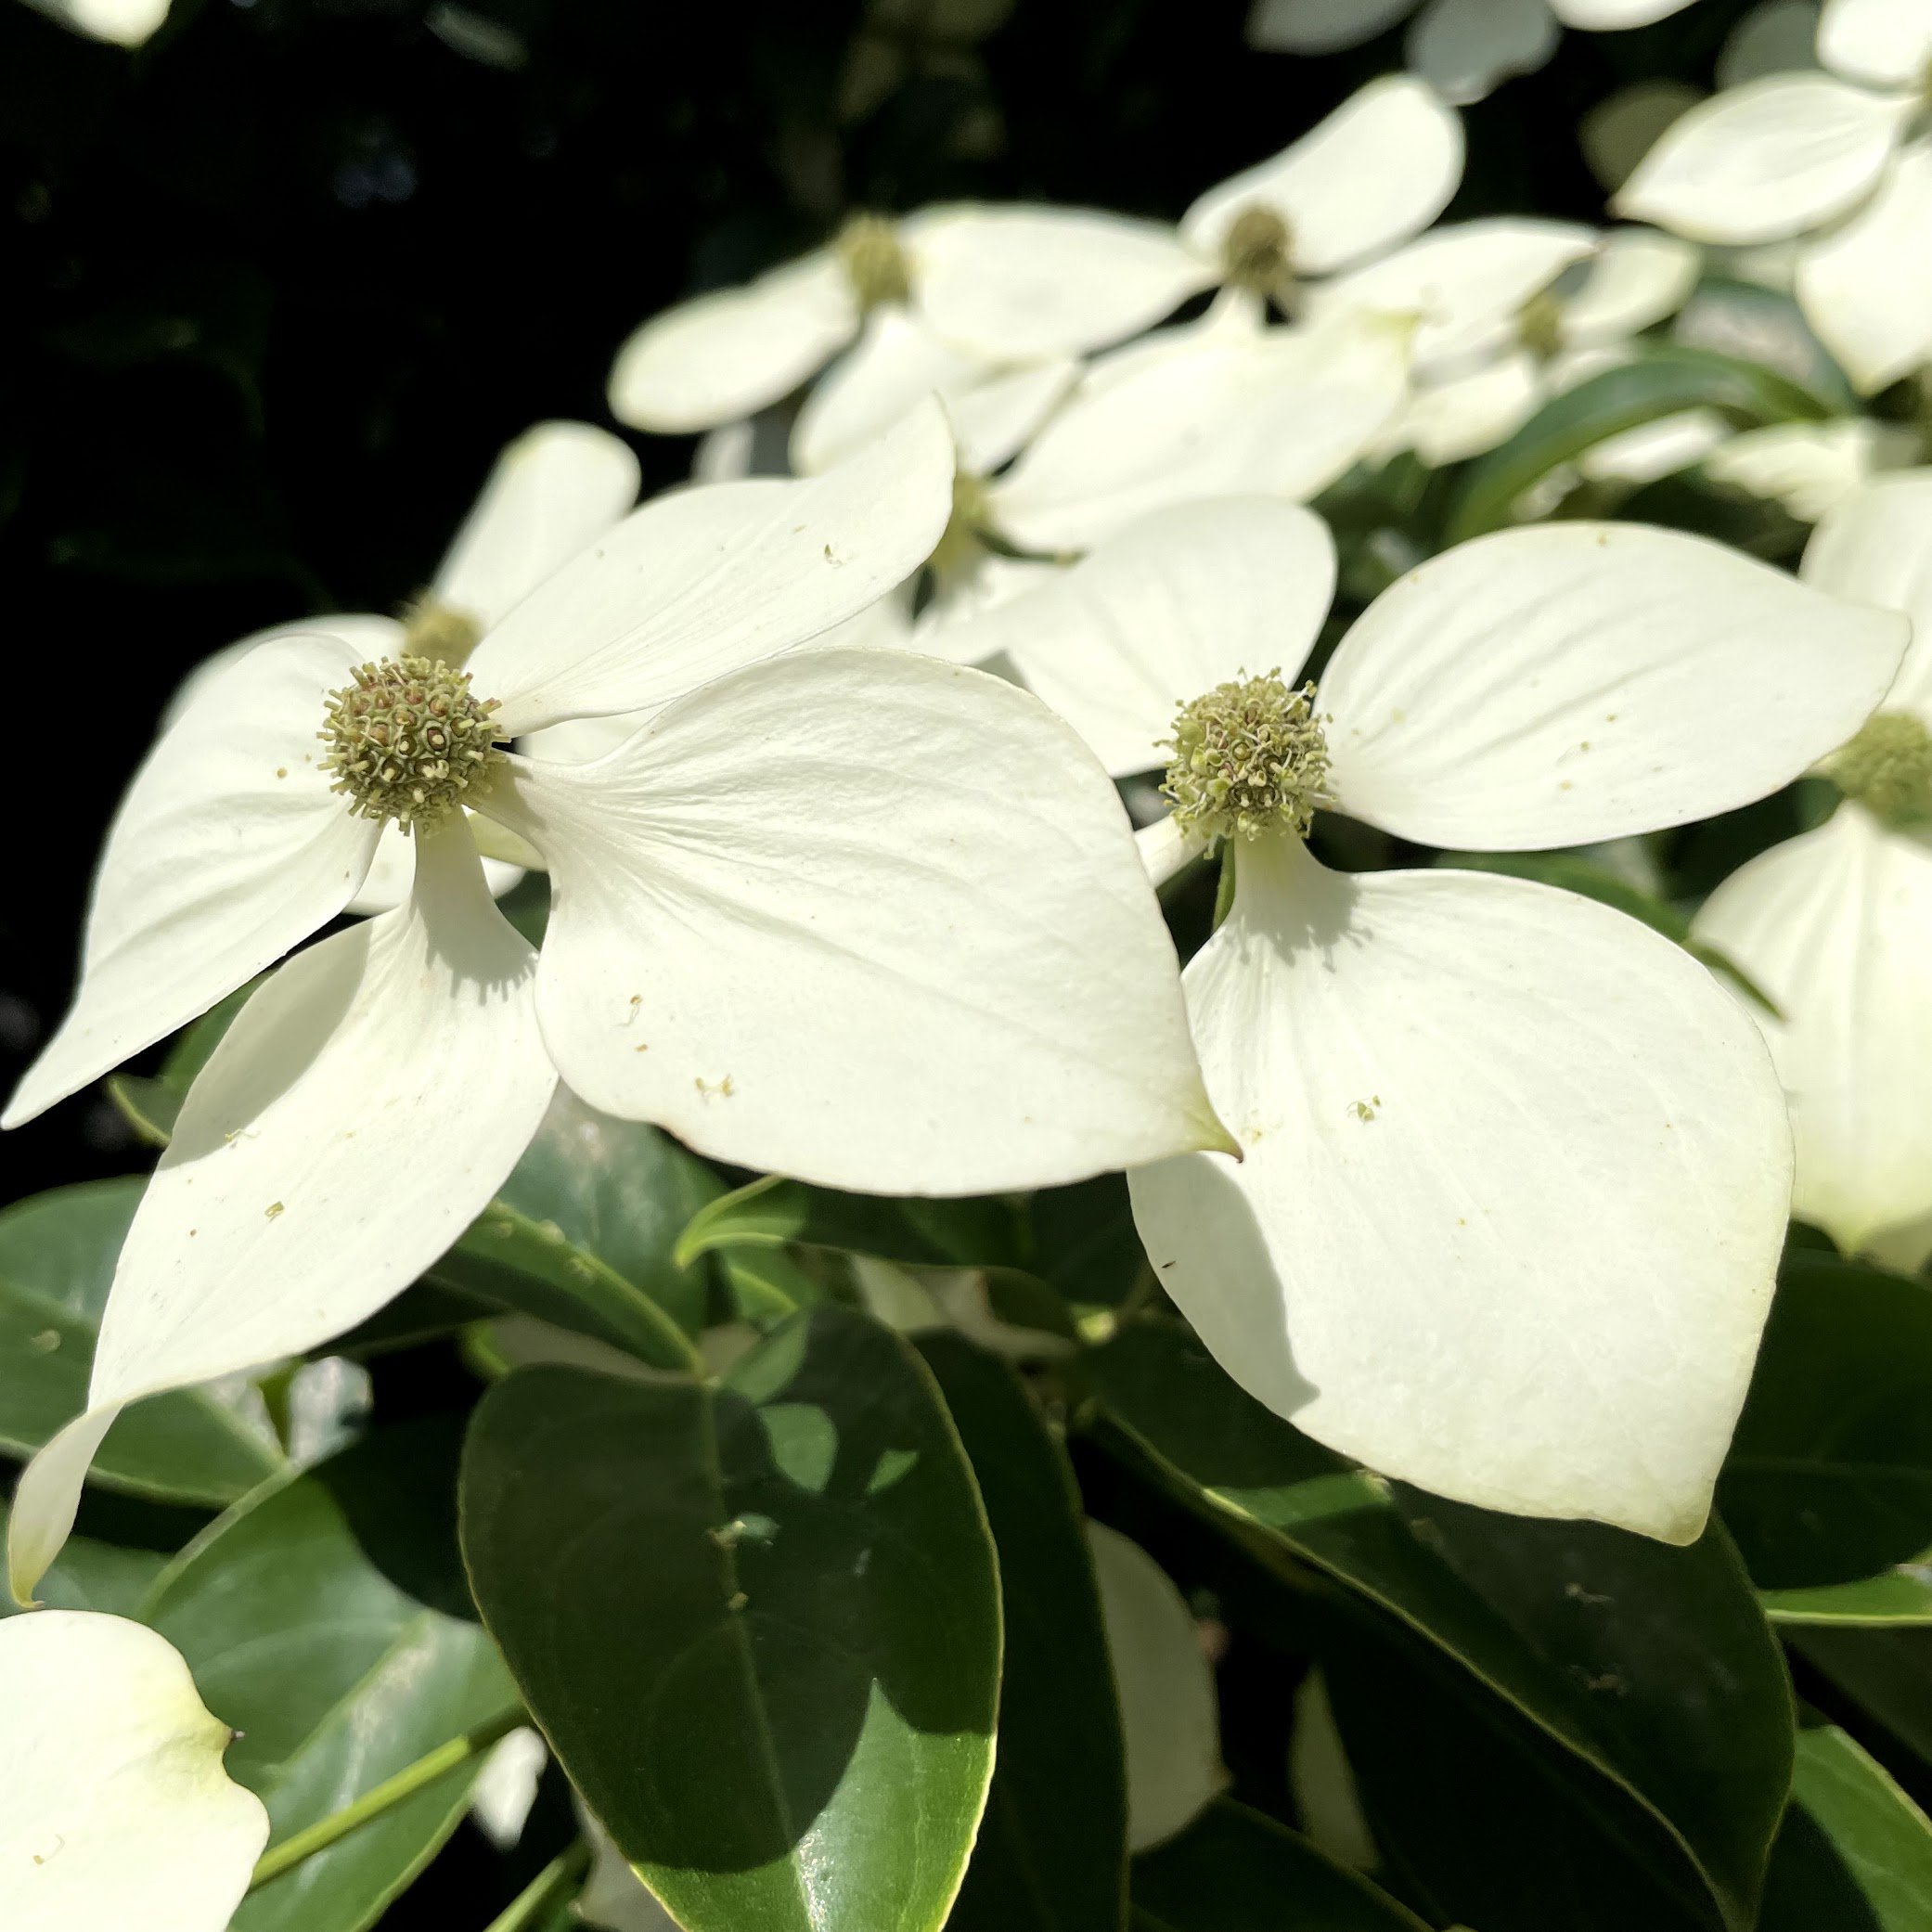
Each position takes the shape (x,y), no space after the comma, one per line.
(407,739)
(1888,767)
(1255,252)
(1539,326)
(439,631)
(867,247)
(1249,757)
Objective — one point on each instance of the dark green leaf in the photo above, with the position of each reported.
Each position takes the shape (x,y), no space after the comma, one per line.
(1234,1867)
(758,1621)
(1083,1242)
(93,1576)
(295,1612)
(1480,1819)
(58,1253)
(1651,1664)
(150,1104)
(1666,378)
(1902,1595)
(1051,1855)
(1855,1852)
(1829,1479)
(1887,1673)
(773,1212)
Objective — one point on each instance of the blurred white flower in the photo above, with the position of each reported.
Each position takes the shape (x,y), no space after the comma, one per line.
(1836,925)
(1464,47)
(1811,467)
(1836,158)
(855,916)
(115,1809)
(1449,1084)
(1170,1722)
(980,285)
(1581,321)
(122,23)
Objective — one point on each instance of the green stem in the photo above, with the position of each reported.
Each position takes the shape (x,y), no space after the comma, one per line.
(381,1797)
(546,1889)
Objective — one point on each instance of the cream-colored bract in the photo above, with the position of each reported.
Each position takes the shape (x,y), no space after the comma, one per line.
(1515,1168)
(1169,1723)
(1822,158)
(115,1811)
(856,915)
(1836,927)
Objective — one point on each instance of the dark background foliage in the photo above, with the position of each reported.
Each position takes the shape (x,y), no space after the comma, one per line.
(280,284)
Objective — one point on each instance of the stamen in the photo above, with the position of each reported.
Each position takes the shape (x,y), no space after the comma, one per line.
(1888,767)
(406,739)
(867,247)
(1255,252)
(1249,757)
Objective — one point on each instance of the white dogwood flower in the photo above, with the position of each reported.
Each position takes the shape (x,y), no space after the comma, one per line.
(1583,321)
(1836,924)
(122,23)
(1841,159)
(857,916)
(1517,1168)
(115,1811)
(550,493)
(1464,47)
(991,286)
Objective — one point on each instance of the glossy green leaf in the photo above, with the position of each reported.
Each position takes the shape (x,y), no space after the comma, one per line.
(1855,1852)
(316,1618)
(1480,1819)
(1664,380)
(1051,1855)
(581,1235)
(1829,1479)
(1685,1705)
(758,1621)
(1085,1245)
(1901,1595)
(773,1212)
(150,1102)
(58,1253)
(1235,1867)
(1887,1673)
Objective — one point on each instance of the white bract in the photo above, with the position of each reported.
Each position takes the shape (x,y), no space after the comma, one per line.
(1169,1723)
(123,23)
(115,1811)
(1581,318)
(852,915)
(1836,925)
(973,289)
(1841,159)
(553,491)
(1516,1168)
(1464,47)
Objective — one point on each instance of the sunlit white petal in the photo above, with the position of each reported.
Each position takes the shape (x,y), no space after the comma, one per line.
(1866,290)
(1450,1086)
(556,489)
(1465,284)
(1463,415)
(115,1811)
(386,884)
(731,354)
(867,919)
(1875,547)
(1570,682)
(1608,16)
(1882,42)
(1173,605)
(228,849)
(359,1113)
(703,580)
(1635,279)
(1014,283)
(1280,413)
(1836,928)
(1809,467)
(1766,160)
(1169,1722)
(1381,168)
